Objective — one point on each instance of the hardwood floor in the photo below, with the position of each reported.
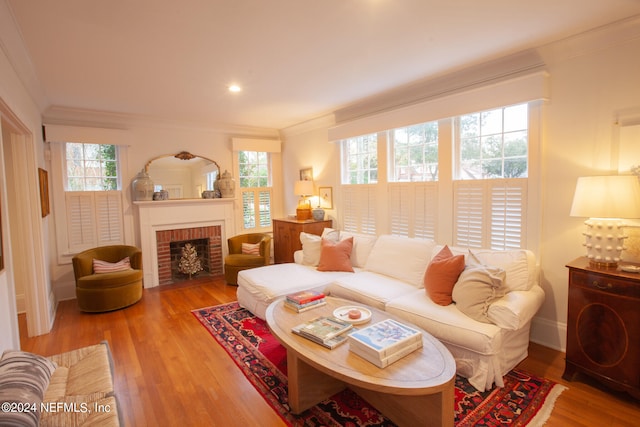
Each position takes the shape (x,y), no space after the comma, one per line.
(169,371)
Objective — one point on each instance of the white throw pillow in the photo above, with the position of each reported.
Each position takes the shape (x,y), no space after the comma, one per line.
(362,245)
(311,245)
(402,258)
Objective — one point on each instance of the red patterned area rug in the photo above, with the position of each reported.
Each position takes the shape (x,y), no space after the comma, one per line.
(525,399)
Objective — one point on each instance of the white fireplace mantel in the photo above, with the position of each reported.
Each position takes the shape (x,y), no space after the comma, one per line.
(162,215)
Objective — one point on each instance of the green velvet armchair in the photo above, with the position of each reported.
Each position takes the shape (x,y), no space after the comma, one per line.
(98,292)
(236,261)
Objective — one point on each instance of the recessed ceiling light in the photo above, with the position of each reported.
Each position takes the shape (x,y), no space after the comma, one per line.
(234,88)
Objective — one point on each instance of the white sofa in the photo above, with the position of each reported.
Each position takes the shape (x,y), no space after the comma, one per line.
(389,274)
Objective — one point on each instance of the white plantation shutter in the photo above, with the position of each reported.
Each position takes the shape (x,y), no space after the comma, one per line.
(490,213)
(508,201)
(265,208)
(468,210)
(359,208)
(248,206)
(426,210)
(256,208)
(400,209)
(94,218)
(413,209)
(81,220)
(109,217)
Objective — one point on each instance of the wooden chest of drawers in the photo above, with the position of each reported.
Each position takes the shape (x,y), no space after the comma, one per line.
(603,326)
(286,236)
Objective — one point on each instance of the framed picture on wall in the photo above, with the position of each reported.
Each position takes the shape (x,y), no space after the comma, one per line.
(306,174)
(43,178)
(325,195)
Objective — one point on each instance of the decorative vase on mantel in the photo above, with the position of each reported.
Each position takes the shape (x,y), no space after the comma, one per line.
(227,185)
(142,187)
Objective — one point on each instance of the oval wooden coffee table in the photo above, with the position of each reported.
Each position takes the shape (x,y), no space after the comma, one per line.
(416,390)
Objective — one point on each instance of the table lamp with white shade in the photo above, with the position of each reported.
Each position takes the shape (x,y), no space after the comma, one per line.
(606,200)
(303,189)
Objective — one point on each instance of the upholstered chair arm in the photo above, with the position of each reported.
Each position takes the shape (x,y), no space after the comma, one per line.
(135,257)
(235,244)
(265,249)
(82,265)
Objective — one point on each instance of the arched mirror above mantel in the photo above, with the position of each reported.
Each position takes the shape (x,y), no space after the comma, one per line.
(183,175)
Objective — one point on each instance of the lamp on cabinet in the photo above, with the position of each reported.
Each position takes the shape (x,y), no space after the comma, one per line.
(303,189)
(606,200)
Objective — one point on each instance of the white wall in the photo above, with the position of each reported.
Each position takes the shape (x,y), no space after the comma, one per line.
(593,78)
(16,102)
(307,146)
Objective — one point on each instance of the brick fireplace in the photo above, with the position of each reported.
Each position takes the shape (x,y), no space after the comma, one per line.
(206,240)
(163,221)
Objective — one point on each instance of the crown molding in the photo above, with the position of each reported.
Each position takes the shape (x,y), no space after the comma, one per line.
(496,70)
(594,40)
(319,123)
(83,117)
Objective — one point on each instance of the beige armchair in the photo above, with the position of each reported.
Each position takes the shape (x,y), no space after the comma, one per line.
(97,292)
(236,261)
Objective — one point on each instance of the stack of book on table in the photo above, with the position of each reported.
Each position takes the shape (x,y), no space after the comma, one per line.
(385,342)
(304,300)
(325,330)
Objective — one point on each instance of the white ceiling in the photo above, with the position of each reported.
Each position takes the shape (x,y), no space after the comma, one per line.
(295,59)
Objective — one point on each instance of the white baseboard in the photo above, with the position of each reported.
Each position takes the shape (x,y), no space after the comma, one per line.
(549,334)
(21,306)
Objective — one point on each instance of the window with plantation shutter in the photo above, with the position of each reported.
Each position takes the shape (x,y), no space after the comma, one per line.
(469,181)
(255,189)
(359,208)
(94,218)
(490,213)
(413,209)
(87,190)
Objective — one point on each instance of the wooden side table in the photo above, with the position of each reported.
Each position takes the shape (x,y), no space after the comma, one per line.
(286,236)
(603,326)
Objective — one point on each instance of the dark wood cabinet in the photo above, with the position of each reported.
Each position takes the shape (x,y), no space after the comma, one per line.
(286,236)
(603,326)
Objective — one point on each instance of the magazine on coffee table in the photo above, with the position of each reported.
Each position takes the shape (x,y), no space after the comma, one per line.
(325,330)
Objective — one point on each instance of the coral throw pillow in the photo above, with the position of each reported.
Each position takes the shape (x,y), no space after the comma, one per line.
(100,267)
(442,274)
(251,248)
(336,256)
